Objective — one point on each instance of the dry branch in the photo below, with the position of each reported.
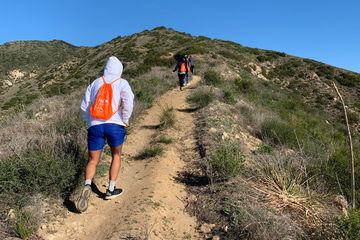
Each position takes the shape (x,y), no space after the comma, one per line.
(351,150)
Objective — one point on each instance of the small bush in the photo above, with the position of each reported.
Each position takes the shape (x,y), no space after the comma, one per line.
(144,96)
(150,152)
(229,97)
(243,85)
(23,224)
(212,77)
(227,161)
(201,98)
(265,149)
(349,225)
(279,133)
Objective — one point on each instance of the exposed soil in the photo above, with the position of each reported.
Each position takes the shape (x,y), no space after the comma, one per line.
(153,201)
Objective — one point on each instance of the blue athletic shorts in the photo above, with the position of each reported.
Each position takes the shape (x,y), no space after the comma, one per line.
(113,133)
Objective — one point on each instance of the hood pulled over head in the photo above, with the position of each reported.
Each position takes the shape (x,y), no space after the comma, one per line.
(113,68)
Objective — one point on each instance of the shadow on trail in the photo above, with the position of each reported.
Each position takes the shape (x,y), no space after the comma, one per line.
(71,206)
(152,127)
(191,179)
(188,110)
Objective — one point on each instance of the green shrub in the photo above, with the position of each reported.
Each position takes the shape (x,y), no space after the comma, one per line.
(212,77)
(23,224)
(278,132)
(195,49)
(243,84)
(141,94)
(265,149)
(46,171)
(127,54)
(231,55)
(12,103)
(227,161)
(201,98)
(349,225)
(337,172)
(352,117)
(228,97)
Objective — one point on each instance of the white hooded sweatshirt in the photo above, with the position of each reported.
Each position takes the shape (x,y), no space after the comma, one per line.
(121,93)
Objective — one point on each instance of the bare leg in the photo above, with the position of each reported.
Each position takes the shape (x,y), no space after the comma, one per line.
(115,163)
(94,157)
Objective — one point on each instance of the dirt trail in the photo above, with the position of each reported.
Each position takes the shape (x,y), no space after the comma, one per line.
(152,204)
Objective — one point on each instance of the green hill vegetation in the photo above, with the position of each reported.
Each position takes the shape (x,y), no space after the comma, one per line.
(291,182)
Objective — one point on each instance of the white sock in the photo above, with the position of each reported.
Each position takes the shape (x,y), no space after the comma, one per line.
(88,181)
(111,185)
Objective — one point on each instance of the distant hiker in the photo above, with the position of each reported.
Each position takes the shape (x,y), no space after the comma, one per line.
(186,82)
(182,71)
(191,64)
(112,129)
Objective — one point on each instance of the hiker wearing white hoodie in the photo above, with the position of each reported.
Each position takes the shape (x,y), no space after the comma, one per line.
(113,129)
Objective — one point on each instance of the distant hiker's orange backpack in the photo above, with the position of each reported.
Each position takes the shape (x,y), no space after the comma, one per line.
(182,68)
(102,108)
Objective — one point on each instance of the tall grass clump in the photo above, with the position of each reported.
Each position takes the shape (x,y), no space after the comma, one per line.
(150,152)
(227,161)
(167,117)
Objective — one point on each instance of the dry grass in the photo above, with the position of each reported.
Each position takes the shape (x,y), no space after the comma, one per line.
(282,182)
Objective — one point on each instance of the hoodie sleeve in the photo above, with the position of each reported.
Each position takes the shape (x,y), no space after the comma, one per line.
(176,67)
(86,104)
(127,97)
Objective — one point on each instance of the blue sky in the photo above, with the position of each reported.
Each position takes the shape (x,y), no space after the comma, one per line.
(324,30)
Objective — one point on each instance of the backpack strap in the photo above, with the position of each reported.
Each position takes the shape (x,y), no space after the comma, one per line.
(110,84)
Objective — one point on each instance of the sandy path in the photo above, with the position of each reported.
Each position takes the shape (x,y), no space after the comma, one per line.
(152,204)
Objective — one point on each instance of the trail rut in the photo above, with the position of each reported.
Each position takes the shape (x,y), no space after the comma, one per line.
(153,202)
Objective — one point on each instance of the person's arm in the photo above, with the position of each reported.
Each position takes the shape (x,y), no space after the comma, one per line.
(127,97)
(86,104)
(176,68)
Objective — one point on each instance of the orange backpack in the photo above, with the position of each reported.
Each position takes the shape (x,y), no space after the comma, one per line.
(102,108)
(182,68)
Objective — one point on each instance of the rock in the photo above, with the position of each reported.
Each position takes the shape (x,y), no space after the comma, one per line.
(8,82)
(192,198)
(206,228)
(11,214)
(341,202)
(226,228)
(43,227)
(237,136)
(224,136)
(216,238)
(212,130)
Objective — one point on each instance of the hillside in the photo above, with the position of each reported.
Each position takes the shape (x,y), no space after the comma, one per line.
(46,69)
(269,132)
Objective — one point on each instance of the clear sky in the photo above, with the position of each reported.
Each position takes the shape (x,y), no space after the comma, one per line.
(324,30)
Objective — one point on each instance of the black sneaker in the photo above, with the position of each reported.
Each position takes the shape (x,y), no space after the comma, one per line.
(83,201)
(110,195)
